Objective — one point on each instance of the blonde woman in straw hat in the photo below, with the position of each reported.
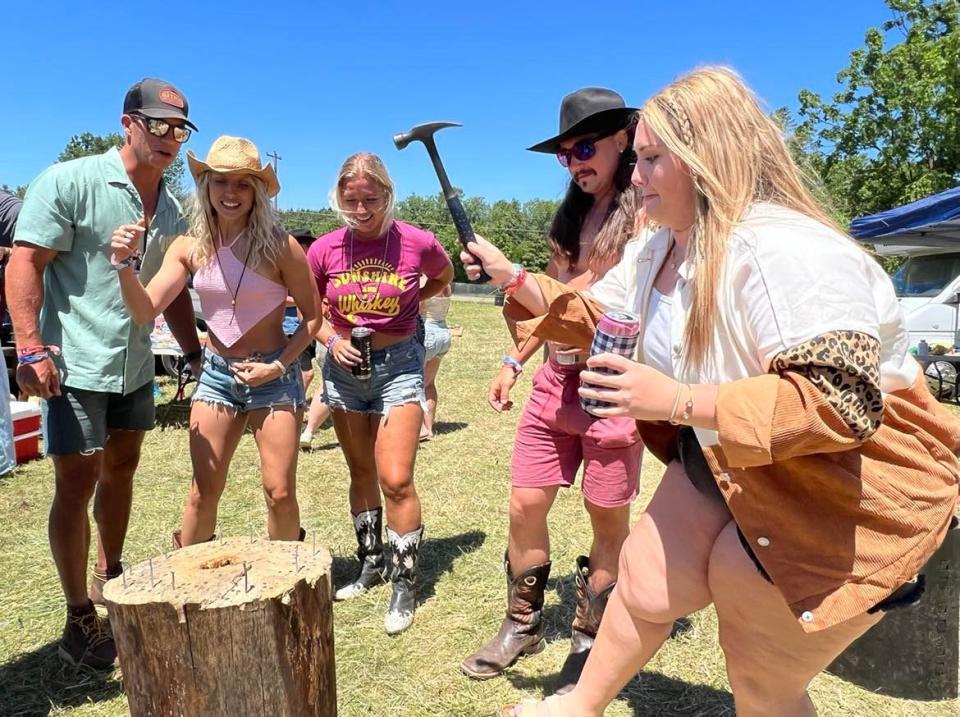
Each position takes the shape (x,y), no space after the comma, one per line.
(243,266)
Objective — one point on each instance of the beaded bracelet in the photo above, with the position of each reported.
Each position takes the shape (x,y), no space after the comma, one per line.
(279,364)
(331,341)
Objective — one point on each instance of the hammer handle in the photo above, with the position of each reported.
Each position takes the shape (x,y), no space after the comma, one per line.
(462,222)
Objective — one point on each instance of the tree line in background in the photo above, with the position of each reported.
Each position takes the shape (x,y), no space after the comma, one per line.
(890,135)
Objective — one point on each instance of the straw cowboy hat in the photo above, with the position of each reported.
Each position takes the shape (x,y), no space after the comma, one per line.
(587,111)
(235,155)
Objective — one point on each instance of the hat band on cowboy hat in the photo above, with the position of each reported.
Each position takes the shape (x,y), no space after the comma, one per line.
(591,110)
(235,155)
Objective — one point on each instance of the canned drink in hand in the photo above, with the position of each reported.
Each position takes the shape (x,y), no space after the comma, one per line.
(618,332)
(361,338)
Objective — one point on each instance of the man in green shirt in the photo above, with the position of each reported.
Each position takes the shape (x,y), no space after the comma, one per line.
(78,349)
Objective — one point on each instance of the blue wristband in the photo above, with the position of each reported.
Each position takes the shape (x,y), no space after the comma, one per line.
(514,364)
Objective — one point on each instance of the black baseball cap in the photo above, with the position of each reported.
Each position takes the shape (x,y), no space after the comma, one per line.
(157,99)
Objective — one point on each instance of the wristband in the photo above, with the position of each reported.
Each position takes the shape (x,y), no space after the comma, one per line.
(514,280)
(193,355)
(514,364)
(35,354)
(279,364)
(124,263)
(331,340)
(517,283)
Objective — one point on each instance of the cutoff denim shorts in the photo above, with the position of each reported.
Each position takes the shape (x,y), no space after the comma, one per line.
(436,338)
(218,385)
(397,379)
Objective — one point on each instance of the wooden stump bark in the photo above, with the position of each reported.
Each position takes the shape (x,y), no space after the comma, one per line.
(237,627)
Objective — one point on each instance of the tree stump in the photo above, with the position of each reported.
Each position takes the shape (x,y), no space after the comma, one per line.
(236,627)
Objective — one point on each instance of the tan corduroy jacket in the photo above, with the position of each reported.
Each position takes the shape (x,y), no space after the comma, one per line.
(838,523)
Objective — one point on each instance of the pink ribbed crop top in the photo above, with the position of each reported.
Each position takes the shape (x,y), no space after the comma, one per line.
(256,296)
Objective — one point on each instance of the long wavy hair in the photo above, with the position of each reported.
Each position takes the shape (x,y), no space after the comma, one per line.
(266,239)
(364,164)
(618,225)
(736,154)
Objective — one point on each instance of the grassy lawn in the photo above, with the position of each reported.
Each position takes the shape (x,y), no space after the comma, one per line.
(462,477)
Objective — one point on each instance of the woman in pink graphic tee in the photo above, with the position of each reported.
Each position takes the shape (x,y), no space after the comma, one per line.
(369,272)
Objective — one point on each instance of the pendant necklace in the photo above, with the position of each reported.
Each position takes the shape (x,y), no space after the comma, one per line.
(386,248)
(236,291)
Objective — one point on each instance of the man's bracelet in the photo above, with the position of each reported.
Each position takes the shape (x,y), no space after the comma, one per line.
(514,364)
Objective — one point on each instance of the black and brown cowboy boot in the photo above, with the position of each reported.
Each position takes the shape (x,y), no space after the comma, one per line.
(590,607)
(521,632)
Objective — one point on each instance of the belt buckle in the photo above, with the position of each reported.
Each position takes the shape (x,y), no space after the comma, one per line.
(570,359)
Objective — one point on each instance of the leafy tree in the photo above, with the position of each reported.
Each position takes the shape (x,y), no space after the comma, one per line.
(20,190)
(83,145)
(892,133)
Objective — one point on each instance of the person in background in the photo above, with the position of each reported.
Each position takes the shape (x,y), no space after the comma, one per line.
(555,437)
(370,272)
(78,349)
(810,475)
(10,205)
(319,412)
(436,343)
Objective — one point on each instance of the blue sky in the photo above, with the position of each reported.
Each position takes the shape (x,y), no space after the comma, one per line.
(316,81)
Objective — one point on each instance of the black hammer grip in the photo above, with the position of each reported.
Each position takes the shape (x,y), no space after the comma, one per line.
(464,230)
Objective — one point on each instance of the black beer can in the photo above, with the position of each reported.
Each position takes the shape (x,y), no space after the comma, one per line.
(361,338)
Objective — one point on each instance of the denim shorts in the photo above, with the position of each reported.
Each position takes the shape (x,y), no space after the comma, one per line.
(217,384)
(436,339)
(397,379)
(78,420)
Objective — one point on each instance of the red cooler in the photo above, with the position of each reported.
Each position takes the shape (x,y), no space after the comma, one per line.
(26,430)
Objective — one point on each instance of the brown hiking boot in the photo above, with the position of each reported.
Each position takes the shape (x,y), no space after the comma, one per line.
(87,641)
(586,622)
(98,579)
(521,632)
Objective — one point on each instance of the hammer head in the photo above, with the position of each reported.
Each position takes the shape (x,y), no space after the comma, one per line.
(421,133)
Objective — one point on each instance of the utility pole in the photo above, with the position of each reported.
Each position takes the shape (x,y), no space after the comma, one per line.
(276,158)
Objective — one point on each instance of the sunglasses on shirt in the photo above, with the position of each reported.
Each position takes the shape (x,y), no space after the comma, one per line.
(582,150)
(161,128)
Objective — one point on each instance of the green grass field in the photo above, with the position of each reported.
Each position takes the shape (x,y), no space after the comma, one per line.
(462,477)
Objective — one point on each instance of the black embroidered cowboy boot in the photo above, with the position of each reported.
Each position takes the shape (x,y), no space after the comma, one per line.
(521,632)
(590,607)
(402,554)
(368,526)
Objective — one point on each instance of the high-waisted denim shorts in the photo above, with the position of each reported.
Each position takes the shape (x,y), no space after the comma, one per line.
(397,378)
(217,384)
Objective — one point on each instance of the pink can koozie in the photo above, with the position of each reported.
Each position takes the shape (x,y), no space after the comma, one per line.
(618,332)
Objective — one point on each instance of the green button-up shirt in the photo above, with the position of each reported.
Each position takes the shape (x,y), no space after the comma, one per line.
(74,207)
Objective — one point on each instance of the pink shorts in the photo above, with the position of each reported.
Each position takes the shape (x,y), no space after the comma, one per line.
(555,436)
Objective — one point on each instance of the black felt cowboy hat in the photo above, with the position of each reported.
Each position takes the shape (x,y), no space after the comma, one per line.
(587,111)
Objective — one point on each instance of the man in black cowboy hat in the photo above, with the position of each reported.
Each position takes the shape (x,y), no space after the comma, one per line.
(593,223)
(93,366)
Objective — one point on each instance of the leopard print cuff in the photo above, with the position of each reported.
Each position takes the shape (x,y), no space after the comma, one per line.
(845,367)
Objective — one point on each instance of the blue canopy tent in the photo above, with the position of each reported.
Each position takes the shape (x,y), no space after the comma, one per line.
(929,223)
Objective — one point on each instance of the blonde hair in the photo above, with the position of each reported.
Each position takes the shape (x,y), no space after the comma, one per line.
(369,165)
(266,240)
(736,155)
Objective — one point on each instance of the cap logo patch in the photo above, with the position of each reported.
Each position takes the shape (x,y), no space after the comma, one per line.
(171,97)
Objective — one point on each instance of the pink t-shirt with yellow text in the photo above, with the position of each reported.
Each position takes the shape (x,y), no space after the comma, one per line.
(376,283)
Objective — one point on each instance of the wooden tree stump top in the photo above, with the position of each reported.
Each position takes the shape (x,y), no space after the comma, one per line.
(223,573)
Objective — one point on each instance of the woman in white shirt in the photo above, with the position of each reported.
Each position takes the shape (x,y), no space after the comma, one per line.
(810,475)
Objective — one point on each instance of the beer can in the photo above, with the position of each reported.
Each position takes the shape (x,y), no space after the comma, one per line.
(618,332)
(361,338)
